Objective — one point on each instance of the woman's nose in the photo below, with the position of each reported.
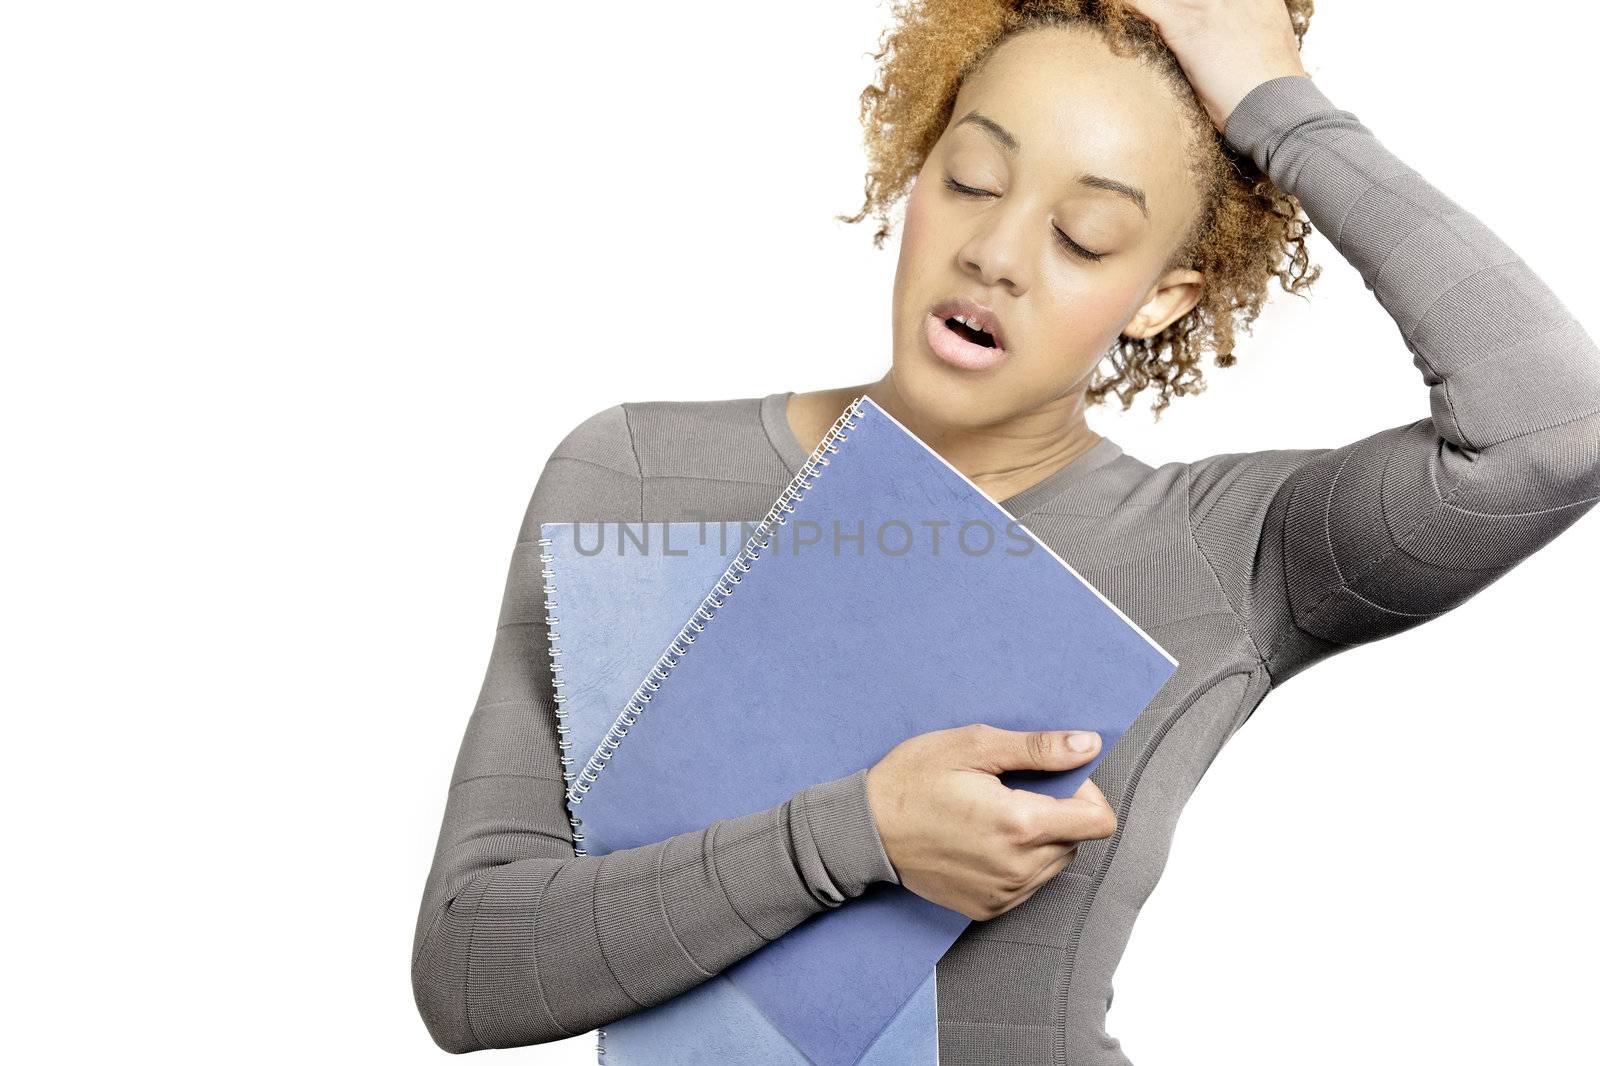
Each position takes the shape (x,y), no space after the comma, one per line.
(997,253)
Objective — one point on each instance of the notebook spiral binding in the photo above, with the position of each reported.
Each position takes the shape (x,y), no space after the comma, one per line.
(563,726)
(777,516)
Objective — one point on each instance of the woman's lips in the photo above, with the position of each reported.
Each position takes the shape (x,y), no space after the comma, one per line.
(956,350)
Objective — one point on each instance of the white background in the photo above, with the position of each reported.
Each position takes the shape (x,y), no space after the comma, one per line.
(298,296)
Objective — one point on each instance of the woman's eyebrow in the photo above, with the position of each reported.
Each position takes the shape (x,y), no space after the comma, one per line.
(1009,142)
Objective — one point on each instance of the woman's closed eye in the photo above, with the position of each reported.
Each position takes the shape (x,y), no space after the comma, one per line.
(1067,242)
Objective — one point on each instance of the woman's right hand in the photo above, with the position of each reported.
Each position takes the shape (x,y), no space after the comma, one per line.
(959,837)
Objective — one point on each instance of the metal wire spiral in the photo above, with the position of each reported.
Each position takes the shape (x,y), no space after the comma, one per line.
(758,542)
(563,726)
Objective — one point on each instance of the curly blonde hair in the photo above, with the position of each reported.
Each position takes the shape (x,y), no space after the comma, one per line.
(1247,232)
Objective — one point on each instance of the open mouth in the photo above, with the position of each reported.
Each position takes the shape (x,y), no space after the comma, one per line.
(969,333)
(959,342)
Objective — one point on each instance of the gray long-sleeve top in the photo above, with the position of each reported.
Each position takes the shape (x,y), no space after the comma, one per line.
(1248,567)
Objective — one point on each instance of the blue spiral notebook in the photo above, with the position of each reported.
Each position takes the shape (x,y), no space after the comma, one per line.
(906,601)
(613,593)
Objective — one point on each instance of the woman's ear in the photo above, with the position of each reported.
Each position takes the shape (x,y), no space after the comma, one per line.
(1174,294)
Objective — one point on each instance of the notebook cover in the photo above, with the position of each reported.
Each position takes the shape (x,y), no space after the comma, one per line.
(613,595)
(788,675)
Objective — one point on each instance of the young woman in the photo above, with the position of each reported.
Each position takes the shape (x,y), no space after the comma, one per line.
(1086,181)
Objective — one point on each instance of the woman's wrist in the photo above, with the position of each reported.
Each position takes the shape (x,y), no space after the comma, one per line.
(834,822)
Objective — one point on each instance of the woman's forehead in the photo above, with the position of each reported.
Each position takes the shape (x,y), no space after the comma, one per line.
(1071,106)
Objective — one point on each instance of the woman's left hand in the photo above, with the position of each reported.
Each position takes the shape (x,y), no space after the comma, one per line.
(1226,47)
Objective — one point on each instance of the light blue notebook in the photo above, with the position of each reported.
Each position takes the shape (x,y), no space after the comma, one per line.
(613,594)
(906,600)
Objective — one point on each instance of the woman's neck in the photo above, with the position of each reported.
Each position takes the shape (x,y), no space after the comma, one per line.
(1002,460)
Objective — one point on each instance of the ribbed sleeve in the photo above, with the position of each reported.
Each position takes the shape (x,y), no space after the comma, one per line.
(521,941)
(1321,549)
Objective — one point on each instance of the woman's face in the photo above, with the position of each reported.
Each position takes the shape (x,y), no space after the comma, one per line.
(1051,113)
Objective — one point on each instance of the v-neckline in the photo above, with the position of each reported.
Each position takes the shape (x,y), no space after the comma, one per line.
(775,421)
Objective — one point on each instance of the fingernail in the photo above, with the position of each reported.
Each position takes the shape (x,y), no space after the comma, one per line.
(1082,741)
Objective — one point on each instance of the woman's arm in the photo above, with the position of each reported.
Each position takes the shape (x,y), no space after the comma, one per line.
(1322,549)
(520,941)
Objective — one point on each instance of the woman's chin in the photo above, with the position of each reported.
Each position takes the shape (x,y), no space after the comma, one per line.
(946,395)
